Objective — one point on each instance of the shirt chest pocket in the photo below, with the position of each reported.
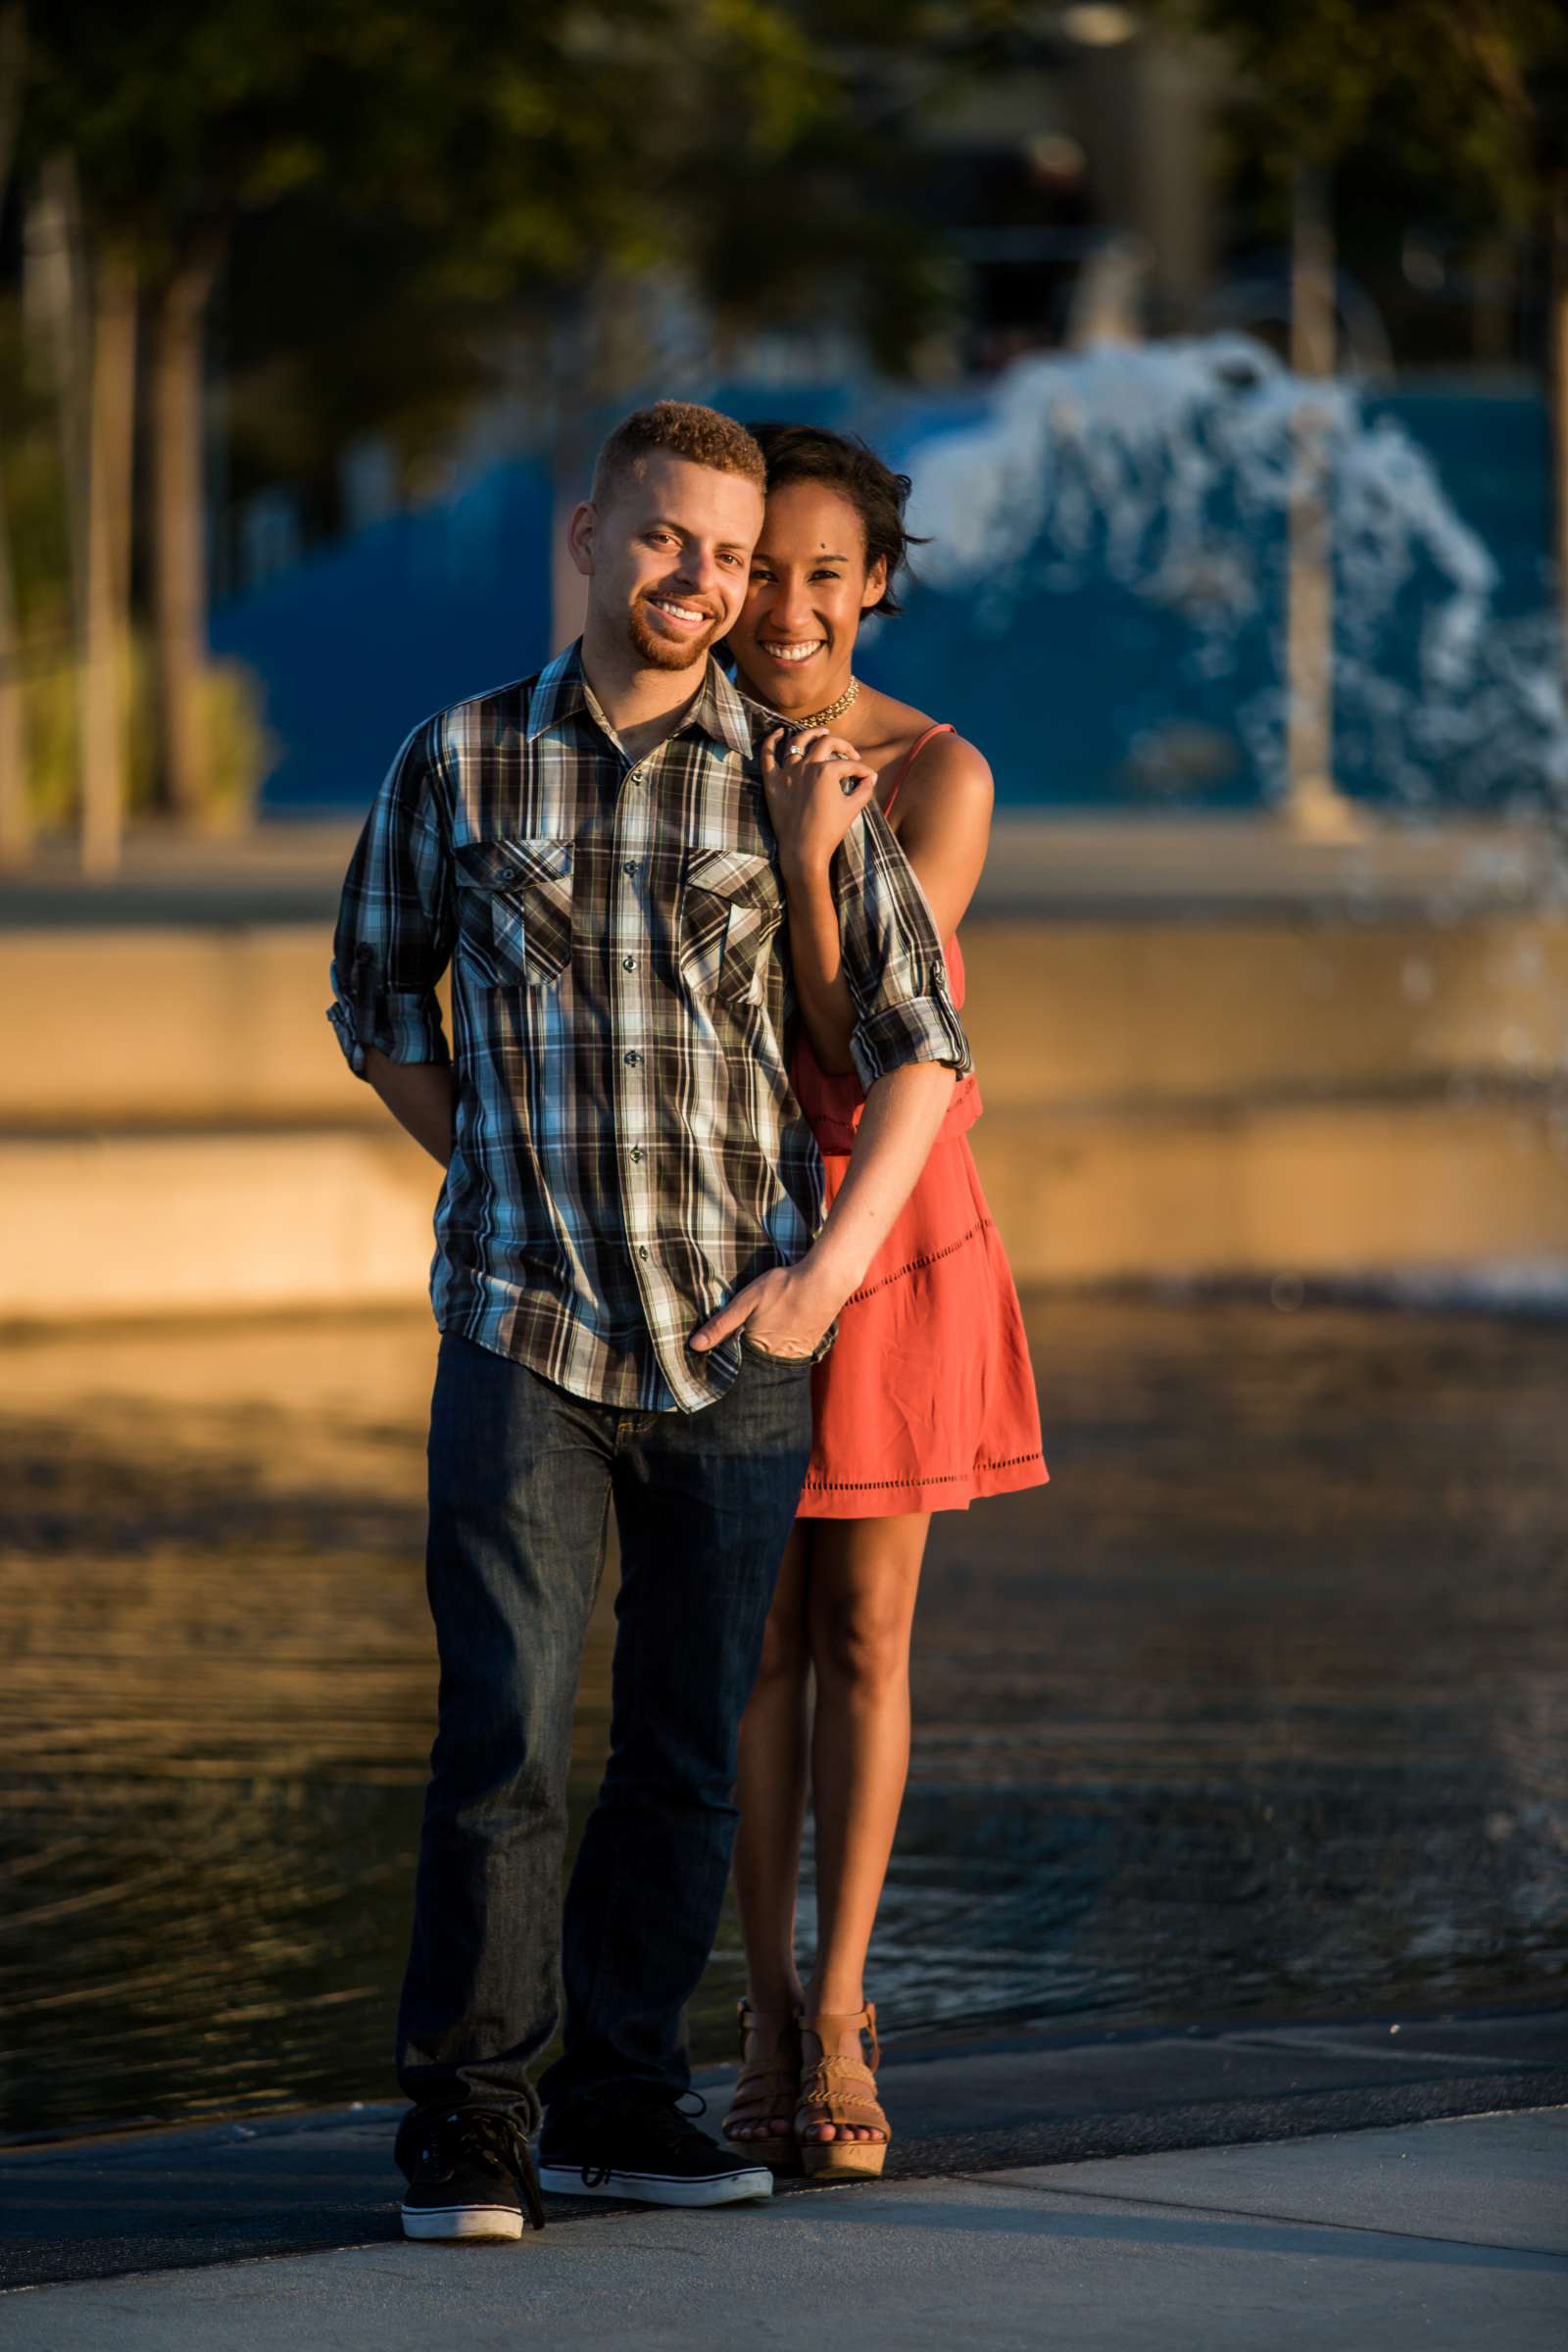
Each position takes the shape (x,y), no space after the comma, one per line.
(731,907)
(515,910)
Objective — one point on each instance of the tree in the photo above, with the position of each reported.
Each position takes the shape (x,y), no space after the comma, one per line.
(16,828)
(518,146)
(517,167)
(1469,96)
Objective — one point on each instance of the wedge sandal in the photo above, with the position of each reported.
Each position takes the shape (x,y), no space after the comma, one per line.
(767,2086)
(841,2091)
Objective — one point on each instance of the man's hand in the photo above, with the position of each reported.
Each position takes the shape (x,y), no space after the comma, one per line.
(785,1311)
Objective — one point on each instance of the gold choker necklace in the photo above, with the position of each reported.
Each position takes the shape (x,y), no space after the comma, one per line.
(817,718)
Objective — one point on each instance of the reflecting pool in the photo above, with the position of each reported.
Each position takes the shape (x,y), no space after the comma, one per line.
(1262,1705)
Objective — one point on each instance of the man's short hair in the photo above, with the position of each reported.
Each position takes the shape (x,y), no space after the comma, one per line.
(675,428)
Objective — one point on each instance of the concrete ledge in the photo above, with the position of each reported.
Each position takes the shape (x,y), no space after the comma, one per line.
(137,1224)
(161,1224)
(1162,1013)
(221,1026)
(1299,1187)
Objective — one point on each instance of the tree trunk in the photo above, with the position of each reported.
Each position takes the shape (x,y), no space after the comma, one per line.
(102,680)
(92,315)
(16,816)
(1557,388)
(1313,806)
(179,541)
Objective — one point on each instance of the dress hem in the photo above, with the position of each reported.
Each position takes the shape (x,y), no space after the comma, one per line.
(857,1498)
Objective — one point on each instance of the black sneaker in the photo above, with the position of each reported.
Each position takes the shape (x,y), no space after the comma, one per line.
(639,2145)
(469,2174)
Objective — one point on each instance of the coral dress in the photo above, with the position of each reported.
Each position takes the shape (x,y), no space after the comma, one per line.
(926,1398)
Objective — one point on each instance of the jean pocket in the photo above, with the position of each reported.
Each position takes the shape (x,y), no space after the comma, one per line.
(766,1355)
(731,907)
(515,910)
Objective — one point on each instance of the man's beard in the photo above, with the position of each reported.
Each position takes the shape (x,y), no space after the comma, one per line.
(660,652)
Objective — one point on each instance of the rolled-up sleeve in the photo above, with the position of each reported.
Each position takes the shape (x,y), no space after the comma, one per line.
(395,920)
(893,962)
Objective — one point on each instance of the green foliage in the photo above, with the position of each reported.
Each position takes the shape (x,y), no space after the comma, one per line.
(35,490)
(240,752)
(512,138)
(503,149)
(1469,95)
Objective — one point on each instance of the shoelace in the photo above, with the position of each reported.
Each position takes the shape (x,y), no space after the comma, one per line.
(498,2143)
(666,2121)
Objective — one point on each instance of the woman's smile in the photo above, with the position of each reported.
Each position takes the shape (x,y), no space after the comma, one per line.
(780,649)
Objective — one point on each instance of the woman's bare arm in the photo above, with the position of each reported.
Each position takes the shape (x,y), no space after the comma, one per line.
(944,830)
(827,1010)
(944,826)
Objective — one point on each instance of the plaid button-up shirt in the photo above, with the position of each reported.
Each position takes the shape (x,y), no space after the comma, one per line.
(628,1151)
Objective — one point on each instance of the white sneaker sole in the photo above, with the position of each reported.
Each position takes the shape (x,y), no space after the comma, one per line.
(660,2188)
(461,2221)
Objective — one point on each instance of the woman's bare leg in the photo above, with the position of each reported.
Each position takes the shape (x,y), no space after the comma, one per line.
(771,1791)
(861,1596)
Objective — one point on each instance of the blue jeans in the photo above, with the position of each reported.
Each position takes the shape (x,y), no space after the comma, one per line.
(522,1476)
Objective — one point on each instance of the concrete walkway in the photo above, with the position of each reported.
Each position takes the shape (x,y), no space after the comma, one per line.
(1439,2234)
(1211,2188)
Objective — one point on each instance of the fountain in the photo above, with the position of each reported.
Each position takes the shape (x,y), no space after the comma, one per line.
(1167,469)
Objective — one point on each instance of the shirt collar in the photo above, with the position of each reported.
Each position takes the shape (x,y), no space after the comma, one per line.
(560,690)
(720,711)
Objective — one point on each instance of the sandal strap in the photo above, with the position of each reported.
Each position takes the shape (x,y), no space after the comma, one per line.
(749,2020)
(765,2092)
(838,2089)
(766,2087)
(863,2019)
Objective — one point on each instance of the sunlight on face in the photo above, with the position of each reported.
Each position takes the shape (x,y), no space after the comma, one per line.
(668,557)
(809,590)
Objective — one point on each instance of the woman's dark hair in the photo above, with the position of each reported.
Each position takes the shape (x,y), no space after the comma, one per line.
(843,461)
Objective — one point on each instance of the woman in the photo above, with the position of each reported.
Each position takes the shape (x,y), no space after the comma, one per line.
(926,1398)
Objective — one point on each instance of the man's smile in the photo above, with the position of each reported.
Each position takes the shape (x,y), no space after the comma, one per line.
(685,616)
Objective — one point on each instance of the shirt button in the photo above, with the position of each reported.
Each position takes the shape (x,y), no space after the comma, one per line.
(629,963)
(634,1056)
(630,867)
(637,1151)
(642,1254)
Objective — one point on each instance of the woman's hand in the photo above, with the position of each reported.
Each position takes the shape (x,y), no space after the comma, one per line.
(816,785)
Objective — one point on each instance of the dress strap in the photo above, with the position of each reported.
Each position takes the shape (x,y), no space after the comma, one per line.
(940,727)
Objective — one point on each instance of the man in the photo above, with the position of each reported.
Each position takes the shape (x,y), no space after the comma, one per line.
(631,1298)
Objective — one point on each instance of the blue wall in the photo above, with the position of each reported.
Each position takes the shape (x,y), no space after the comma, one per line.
(368,637)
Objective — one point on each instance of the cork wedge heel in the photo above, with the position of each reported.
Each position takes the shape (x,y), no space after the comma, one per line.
(840,2089)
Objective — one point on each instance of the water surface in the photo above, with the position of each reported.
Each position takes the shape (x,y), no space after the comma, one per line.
(1262,1705)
